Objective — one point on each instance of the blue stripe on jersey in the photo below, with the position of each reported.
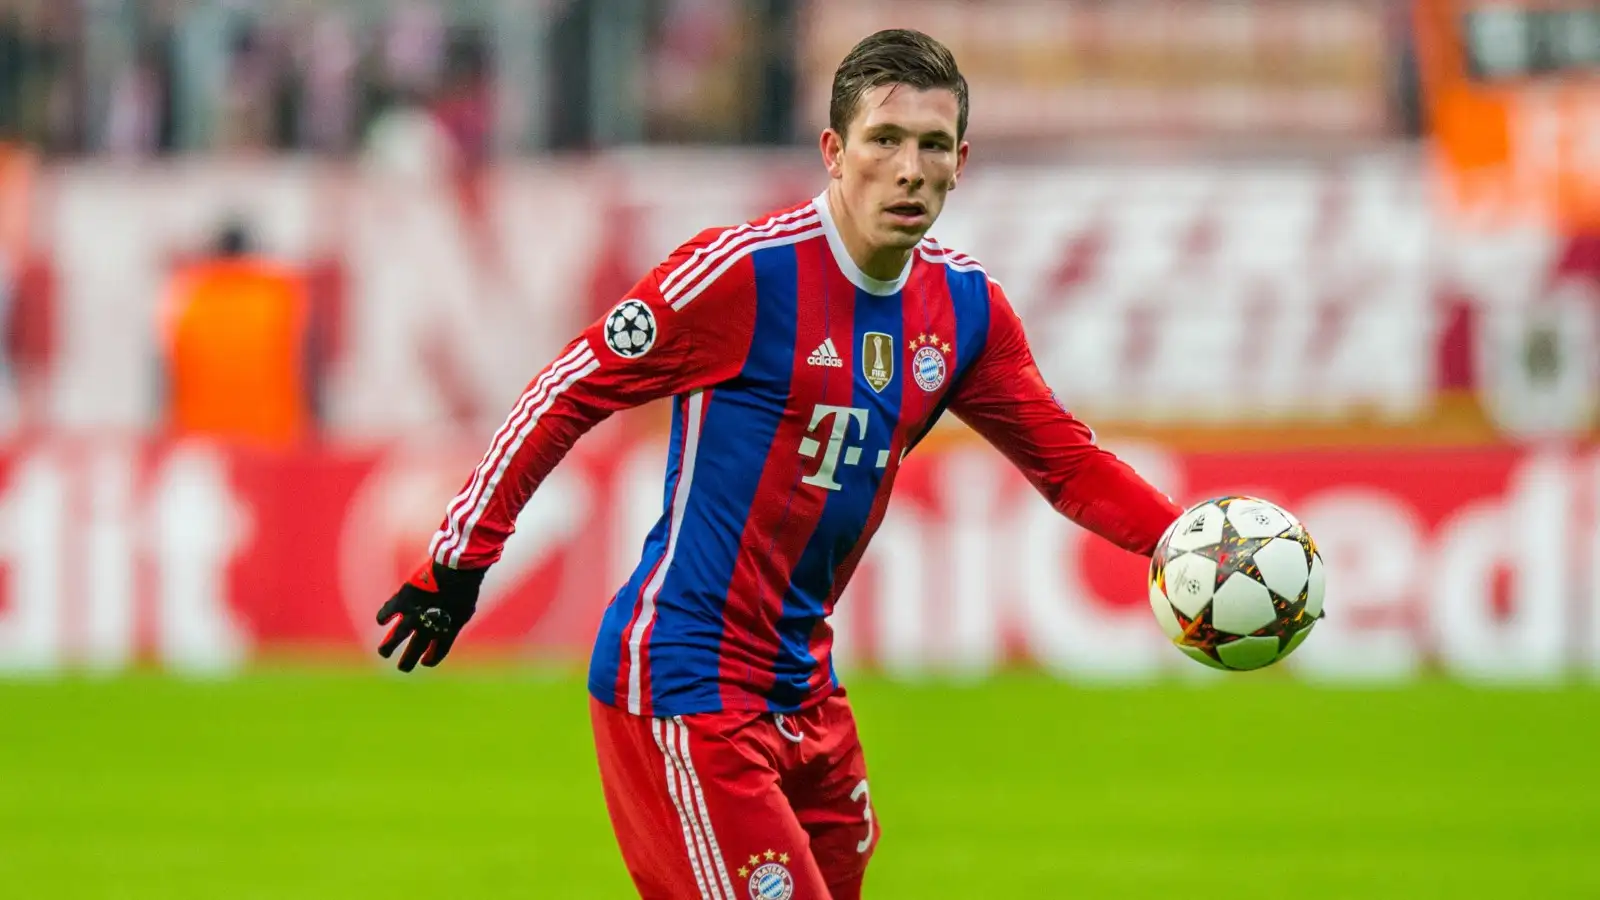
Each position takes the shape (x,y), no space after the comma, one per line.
(845,512)
(605,663)
(969,296)
(741,423)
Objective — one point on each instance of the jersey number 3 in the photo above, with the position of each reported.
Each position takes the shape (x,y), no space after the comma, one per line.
(863,795)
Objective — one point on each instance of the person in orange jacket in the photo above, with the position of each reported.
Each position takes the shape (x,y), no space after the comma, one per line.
(239,349)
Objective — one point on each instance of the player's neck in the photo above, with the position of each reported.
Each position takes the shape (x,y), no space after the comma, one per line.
(882,263)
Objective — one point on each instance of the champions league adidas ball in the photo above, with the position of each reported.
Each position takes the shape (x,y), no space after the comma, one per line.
(1236,583)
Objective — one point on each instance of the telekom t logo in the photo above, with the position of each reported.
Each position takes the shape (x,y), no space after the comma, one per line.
(842,417)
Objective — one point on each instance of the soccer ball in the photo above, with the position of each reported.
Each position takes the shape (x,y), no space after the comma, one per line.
(1236,583)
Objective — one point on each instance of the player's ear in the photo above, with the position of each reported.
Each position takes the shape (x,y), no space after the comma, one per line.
(832,144)
(961,163)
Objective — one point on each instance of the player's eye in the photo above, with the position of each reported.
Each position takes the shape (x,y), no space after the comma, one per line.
(887,141)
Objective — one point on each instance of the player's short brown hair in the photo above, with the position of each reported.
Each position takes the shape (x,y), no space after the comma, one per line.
(895,56)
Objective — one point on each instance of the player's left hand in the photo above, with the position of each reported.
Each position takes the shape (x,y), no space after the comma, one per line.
(430,609)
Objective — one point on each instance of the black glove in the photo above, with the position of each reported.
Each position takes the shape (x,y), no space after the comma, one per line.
(430,608)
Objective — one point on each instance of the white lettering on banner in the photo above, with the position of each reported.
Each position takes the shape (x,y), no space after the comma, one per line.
(972,570)
(1374,550)
(944,584)
(1068,628)
(112,546)
(944,589)
(198,528)
(1530,535)
(32,537)
(194,528)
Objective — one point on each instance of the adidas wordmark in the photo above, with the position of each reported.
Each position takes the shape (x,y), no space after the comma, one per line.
(826,356)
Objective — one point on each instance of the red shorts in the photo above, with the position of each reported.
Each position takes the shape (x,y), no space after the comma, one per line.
(729,806)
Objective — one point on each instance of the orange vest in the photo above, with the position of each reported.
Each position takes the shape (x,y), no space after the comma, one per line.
(236,333)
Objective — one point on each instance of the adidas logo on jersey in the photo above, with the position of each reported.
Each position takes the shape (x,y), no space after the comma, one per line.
(825,356)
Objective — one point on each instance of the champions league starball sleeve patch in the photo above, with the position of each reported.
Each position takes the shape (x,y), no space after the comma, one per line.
(631,329)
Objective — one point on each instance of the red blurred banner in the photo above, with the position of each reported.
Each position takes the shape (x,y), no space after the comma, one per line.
(1480,562)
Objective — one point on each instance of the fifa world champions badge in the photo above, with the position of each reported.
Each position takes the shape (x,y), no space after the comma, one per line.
(928,364)
(877,359)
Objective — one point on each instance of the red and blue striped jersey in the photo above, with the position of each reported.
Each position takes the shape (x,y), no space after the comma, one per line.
(799,384)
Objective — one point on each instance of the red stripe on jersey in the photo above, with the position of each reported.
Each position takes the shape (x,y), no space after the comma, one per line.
(930,315)
(785,512)
(928,311)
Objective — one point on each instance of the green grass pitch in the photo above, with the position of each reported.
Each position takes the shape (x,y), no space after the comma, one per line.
(320,783)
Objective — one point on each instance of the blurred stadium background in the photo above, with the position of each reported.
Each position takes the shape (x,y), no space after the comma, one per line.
(1344,254)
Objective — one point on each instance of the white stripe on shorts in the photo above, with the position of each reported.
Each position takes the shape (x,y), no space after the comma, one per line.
(658,727)
(687,763)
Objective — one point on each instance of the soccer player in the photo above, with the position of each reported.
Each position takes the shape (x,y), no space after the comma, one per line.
(806,353)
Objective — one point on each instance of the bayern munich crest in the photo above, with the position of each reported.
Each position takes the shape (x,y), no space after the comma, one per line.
(928,366)
(771,881)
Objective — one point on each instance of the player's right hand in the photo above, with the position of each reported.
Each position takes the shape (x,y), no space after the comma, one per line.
(429,610)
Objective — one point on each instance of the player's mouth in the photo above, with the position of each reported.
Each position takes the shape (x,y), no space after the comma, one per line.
(908,213)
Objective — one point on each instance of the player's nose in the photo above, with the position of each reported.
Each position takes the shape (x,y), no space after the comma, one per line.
(909,168)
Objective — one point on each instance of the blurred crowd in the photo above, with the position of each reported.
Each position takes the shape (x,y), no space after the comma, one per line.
(145,78)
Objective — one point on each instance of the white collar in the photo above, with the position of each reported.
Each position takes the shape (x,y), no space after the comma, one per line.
(847,265)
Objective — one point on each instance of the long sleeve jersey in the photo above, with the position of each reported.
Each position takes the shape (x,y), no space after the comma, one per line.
(799,385)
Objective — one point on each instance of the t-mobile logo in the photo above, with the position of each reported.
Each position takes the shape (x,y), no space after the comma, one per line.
(836,450)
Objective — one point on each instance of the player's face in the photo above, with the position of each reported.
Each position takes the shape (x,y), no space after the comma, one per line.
(897,163)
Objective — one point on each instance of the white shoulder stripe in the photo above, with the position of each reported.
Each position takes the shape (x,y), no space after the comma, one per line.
(691,290)
(729,235)
(956,262)
(707,256)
